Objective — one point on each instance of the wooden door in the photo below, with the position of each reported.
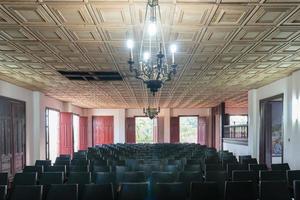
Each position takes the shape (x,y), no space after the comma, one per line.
(265,143)
(83,137)
(66,133)
(18,129)
(130,129)
(103,130)
(6,164)
(202,130)
(174,130)
(12,135)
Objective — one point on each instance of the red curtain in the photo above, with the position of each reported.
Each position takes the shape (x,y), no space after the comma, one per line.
(103,130)
(66,133)
(83,137)
(202,130)
(174,130)
(130,130)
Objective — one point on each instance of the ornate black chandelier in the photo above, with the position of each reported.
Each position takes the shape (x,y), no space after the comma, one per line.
(153,67)
(151,112)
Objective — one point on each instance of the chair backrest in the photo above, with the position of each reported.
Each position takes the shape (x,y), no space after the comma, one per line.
(219,177)
(62,162)
(240,190)
(174,191)
(273,190)
(296,188)
(195,167)
(101,168)
(250,161)
(22,192)
(80,178)
(134,191)
(245,157)
(213,167)
(43,163)
(39,169)
(3,192)
(245,176)
(258,167)
(83,162)
(163,177)
(170,168)
(104,178)
(96,192)
(292,175)
(190,176)
(29,178)
(137,176)
(193,162)
(205,191)
(3,178)
(146,168)
(231,167)
(79,168)
(212,160)
(280,167)
(49,178)
(56,168)
(272,176)
(65,192)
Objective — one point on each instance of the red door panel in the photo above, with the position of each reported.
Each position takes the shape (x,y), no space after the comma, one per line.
(130,129)
(174,130)
(103,130)
(83,137)
(66,133)
(202,129)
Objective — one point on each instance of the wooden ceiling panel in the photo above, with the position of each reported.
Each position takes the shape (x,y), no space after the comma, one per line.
(221,43)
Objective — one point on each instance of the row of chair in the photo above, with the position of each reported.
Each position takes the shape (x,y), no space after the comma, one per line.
(269,190)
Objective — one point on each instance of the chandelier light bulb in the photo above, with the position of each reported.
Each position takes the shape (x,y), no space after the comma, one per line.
(173,48)
(146,56)
(152,29)
(130,44)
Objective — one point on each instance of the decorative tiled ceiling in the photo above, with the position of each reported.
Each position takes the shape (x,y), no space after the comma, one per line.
(225,48)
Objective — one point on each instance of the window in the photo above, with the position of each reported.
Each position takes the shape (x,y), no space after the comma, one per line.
(52,134)
(76,132)
(238,120)
(188,127)
(144,127)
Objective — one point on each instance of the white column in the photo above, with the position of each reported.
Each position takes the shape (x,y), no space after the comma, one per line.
(253,121)
(34,139)
(121,126)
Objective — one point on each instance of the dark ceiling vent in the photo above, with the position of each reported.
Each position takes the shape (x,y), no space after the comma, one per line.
(91,76)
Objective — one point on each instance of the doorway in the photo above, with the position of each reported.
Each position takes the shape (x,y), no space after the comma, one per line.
(52,134)
(188,129)
(103,130)
(271,130)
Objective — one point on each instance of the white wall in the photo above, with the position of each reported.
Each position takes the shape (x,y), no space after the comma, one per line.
(290,87)
(36,104)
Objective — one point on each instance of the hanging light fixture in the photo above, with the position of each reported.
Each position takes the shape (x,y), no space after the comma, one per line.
(153,67)
(151,112)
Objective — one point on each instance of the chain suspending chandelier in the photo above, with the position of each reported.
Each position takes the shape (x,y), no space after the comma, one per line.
(153,67)
(151,112)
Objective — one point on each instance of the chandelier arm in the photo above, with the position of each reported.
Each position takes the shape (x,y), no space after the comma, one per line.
(144,32)
(161,29)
